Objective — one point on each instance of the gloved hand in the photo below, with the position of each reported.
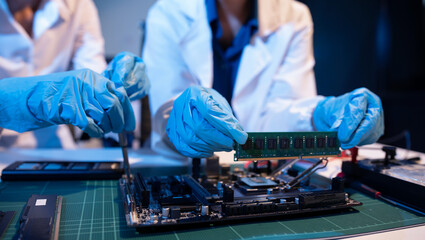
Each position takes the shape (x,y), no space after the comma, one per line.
(81,98)
(201,122)
(357,116)
(128,70)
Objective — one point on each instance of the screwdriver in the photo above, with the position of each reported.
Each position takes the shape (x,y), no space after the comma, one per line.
(378,195)
(123,143)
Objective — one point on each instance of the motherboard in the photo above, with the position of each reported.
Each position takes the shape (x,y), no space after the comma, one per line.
(224,193)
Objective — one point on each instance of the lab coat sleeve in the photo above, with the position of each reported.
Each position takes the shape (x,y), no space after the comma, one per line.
(165,68)
(89,44)
(292,96)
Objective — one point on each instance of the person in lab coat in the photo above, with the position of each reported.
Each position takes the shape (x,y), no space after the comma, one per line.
(203,55)
(40,37)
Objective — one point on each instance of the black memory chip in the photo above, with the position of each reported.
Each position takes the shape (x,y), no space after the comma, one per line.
(247,145)
(298,143)
(309,142)
(284,143)
(272,143)
(332,142)
(321,142)
(40,218)
(259,144)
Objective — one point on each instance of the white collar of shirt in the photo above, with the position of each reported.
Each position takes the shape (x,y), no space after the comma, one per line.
(49,13)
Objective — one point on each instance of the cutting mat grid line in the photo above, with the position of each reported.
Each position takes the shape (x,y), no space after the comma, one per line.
(103,215)
(86,216)
(92,211)
(113,212)
(82,211)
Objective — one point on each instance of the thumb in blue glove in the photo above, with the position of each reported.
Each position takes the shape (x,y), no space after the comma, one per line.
(201,123)
(357,117)
(128,70)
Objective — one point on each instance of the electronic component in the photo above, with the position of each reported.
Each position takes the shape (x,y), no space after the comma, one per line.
(284,143)
(401,181)
(309,142)
(332,142)
(40,218)
(291,145)
(321,142)
(272,143)
(171,201)
(175,213)
(212,167)
(5,219)
(259,144)
(62,170)
(247,145)
(310,200)
(153,203)
(298,143)
(258,182)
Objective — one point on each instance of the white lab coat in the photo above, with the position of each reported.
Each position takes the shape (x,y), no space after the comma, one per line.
(275,87)
(66,36)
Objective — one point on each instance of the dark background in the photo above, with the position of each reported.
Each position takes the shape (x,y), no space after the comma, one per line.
(378,44)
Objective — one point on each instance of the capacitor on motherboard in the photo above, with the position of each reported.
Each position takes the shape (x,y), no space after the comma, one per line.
(220,188)
(204,210)
(165,212)
(228,193)
(220,184)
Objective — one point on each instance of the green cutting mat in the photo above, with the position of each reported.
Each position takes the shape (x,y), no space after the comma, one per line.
(92,210)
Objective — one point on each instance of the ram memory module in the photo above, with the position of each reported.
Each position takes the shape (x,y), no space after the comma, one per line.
(287,145)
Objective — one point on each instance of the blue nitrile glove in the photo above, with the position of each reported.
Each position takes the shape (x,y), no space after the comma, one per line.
(357,116)
(128,70)
(202,122)
(82,98)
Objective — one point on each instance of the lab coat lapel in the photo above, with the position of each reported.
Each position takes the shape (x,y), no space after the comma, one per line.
(267,45)
(255,58)
(49,14)
(258,70)
(196,49)
(197,54)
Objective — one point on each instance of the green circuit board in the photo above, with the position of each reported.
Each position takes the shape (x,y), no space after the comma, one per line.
(287,145)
